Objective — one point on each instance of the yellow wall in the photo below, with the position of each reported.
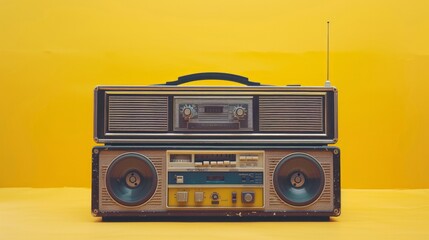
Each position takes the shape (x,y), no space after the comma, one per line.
(53,53)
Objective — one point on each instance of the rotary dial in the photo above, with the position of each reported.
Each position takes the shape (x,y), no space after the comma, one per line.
(188,111)
(239,112)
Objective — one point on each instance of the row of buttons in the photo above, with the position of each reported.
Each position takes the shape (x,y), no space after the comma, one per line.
(249,157)
(216,164)
(246,197)
(182,197)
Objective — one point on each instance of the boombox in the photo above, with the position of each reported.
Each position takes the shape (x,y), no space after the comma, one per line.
(252,114)
(225,151)
(142,181)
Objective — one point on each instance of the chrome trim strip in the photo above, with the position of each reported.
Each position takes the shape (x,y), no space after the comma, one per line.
(95,113)
(335,115)
(213,97)
(265,141)
(211,93)
(215,88)
(218,185)
(217,134)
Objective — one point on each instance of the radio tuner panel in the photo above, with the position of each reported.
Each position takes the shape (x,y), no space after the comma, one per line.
(212,114)
(215,179)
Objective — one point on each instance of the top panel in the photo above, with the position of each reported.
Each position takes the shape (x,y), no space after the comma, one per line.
(215,114)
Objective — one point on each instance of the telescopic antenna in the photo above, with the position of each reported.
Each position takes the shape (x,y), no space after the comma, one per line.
(327,82)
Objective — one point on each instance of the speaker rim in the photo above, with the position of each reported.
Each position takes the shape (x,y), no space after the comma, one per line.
(152,169)
(319,190)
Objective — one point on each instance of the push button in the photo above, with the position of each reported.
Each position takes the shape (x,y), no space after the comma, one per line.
(182,197)
(234,197)
(199,197)
(180,179)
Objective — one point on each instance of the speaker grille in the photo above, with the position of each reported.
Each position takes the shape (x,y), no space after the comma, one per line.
(275,201)
(291,114)
(326,194)
(137,113)
(156,200)
(105,196)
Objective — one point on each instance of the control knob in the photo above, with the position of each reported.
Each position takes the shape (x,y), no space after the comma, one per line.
(215,196)
(239,112)
(188,111)
(248,197)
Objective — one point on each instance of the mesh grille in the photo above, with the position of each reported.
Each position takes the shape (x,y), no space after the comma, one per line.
(137,113)
(291,114)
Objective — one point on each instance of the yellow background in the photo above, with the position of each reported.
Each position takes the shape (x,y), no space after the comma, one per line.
(53,54)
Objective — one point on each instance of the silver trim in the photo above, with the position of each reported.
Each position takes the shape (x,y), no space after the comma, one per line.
(216,185)
(95,114)
(218,134)
(319,141)
(215,88)
(209,97)
(216,93)
(335,115)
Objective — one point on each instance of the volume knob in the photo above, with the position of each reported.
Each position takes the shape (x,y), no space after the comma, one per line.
(188,111)
(248,197)
(239,112)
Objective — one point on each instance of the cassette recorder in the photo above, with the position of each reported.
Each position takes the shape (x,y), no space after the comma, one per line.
(145,181)
(252,114)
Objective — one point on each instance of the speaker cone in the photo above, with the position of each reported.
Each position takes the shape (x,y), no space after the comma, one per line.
(131,179)
(298,179)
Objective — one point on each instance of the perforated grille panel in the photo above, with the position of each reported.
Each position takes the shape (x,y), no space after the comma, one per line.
(137,113)
(291,114)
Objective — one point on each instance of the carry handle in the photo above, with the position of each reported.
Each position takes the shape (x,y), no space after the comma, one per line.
(213,76)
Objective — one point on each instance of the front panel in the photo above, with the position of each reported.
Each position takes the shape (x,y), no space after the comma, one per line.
(228,114)
(214,181)
(207,179)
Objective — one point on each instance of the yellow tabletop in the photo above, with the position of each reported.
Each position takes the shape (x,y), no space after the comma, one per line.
(64,213)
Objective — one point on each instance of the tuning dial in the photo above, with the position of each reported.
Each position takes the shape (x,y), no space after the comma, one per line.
(188,111)
(239,112)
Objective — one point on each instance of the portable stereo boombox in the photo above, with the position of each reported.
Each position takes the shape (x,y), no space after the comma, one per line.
(240,151)
(212,114)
